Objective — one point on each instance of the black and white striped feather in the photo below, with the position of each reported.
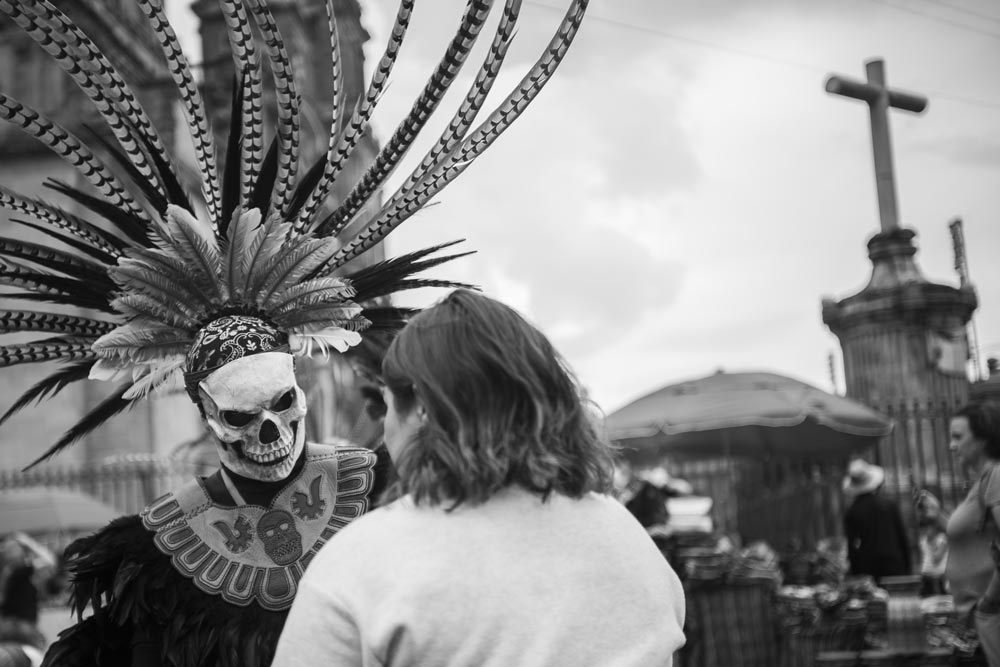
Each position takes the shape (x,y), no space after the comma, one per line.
(144,266)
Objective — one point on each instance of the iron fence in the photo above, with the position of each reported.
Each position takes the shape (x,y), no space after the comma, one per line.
(128,483)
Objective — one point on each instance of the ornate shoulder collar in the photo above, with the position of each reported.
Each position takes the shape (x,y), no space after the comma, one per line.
(257,554)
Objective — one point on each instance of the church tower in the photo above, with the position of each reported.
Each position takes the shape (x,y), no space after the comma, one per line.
(903,337)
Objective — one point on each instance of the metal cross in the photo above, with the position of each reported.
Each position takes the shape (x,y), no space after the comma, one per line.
(879,99)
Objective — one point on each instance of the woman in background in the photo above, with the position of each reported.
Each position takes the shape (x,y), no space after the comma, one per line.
(973,529)
(502,547)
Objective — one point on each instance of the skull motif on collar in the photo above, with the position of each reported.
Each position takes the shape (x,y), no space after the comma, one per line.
(254,407)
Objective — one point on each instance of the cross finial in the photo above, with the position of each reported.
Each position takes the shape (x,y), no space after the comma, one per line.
(879,98)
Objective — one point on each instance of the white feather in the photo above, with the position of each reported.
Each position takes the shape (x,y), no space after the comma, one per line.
(306,340)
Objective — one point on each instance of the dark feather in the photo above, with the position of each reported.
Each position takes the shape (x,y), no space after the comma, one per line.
(379,278)
(132,227)
(405,203)
(149,188)
(261,197)
(12,321)
(388,158)
(346,139)
(50,386)
(120,573)
(99,255)
(97,78)
(54,289)
(59,219)
(56,260)
(176,194)
(231,171)
(475,98)
(306,186)
(387,318)
(63,300)
(286,159)
(194,107)
(70,148)
(105,410)
(44,350)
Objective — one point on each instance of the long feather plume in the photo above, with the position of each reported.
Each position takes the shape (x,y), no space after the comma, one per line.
(194,108)
(309,293)
(105,410)
(404,204)
(448,67)
(53,259)
(32,320)
(466,114)
(59,235)
(287,102)
(71,149)
(149,266)
(50,386)
(60,219)
(342,143)
(36,17)
(247,60)
(30,353)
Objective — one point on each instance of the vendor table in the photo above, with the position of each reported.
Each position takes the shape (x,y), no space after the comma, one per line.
(731,624)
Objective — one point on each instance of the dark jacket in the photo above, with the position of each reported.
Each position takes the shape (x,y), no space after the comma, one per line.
(20,599)
(876,539)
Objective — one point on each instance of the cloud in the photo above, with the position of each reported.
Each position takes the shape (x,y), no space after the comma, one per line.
(967,149)
(683,193)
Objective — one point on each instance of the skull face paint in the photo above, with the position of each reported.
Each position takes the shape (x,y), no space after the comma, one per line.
(254,407)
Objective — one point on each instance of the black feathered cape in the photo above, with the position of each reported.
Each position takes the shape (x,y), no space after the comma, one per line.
(143,605)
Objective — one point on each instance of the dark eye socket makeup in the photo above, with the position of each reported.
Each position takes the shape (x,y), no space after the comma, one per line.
(236,418)
(284,401)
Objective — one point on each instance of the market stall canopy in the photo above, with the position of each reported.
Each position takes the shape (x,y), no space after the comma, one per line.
(758,415)
(38,509)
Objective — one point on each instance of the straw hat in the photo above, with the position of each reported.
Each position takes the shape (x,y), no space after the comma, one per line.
(863,477)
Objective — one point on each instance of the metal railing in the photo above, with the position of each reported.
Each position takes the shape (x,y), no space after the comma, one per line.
(127,483)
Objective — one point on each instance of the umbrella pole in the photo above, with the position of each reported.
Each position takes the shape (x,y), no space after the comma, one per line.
(728,453)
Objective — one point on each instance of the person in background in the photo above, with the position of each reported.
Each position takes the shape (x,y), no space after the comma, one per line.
(501,546)
(21,642)
(873,525)
(973,529)
(933,544)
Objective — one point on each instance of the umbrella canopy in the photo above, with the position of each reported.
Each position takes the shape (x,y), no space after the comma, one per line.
(39,509)
(757,415)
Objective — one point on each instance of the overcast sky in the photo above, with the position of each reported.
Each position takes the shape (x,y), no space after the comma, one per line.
(684,193)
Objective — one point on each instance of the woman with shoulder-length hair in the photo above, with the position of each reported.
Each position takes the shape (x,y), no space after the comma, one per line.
(973,528)
(501,546)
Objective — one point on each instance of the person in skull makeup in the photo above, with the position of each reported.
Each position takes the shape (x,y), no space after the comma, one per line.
(221,292)
(241,536)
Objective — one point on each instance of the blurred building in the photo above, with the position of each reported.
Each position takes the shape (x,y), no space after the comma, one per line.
(906,354)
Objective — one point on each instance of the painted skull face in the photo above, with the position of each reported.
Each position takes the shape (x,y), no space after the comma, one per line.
(255,408)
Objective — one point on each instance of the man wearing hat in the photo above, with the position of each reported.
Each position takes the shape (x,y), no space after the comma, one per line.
(876,539)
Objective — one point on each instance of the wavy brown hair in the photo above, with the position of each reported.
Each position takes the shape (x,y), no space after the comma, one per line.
(503,409)
(984,422)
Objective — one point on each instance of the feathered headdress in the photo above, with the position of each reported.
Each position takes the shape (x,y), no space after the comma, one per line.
(153,268)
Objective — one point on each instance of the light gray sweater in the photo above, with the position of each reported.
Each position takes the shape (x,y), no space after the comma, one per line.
(514,582)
